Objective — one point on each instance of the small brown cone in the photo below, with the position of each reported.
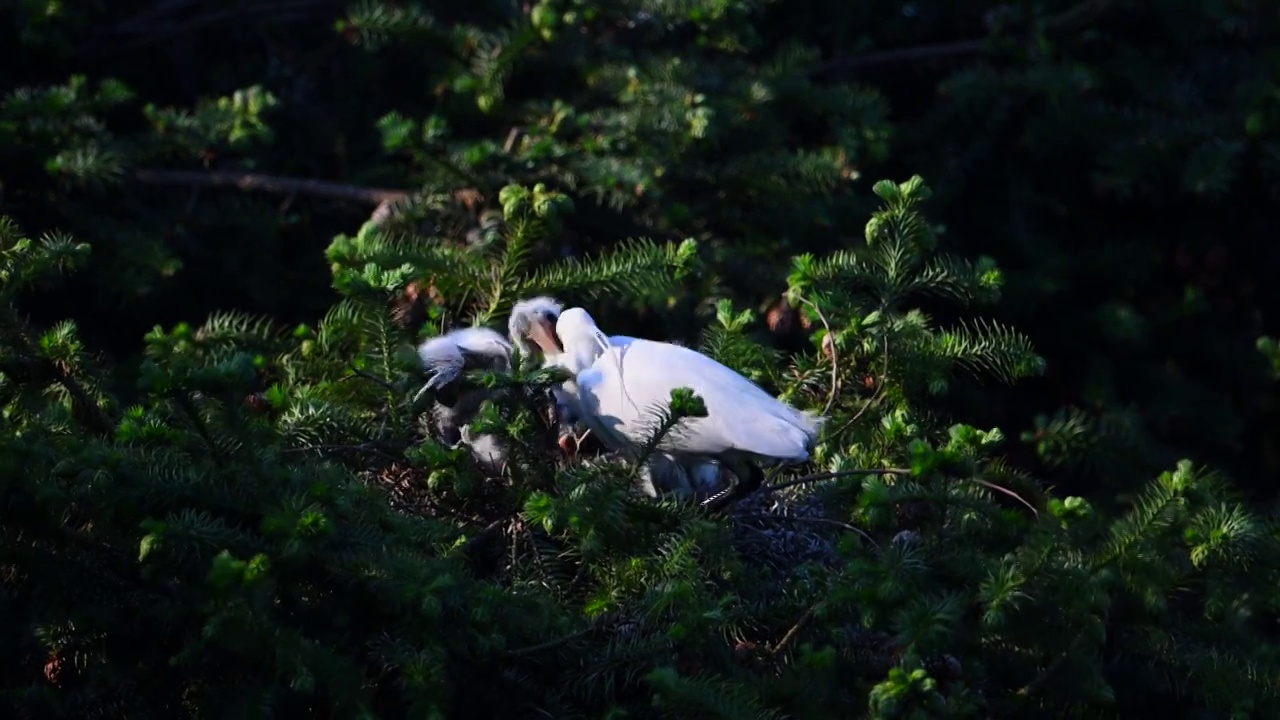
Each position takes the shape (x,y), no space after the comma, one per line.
(781,317)
(257,402)
(409,308)
(54,670)
(745,652)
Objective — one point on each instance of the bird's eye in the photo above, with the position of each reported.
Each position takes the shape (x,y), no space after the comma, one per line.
(549,316)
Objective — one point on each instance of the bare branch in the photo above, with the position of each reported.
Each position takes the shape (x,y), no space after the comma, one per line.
(835,354)
(254,182)
(1074,17)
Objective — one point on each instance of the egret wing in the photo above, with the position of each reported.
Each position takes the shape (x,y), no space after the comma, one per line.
(740,414)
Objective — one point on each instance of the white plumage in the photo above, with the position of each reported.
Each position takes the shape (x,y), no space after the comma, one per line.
(625,380)
(537,319)
(445,359)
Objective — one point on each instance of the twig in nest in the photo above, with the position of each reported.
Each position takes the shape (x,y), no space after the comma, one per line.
(835,354)
(815,521)
(251,182)
(795,629)
(817,477)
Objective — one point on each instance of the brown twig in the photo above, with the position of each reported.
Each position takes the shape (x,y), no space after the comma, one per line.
(513,137)
(835,354)
(814,521)
(875,397)
(1071,18)
(371,378)
(255,182)
(1006,491)
(1044,676)
(795,629)
(833,475)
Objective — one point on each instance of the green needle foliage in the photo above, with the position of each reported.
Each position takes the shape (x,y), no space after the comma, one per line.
(267,530)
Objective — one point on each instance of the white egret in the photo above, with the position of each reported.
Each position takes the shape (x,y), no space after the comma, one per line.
(445,359)
(622,381)
(536,319)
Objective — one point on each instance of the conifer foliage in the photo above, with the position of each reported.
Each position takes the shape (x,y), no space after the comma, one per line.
(255,519)
(269,531)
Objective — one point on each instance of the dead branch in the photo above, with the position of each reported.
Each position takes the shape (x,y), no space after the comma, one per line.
(254,182)
(1077,16)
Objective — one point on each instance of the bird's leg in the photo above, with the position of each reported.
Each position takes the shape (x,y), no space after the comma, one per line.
(747,478)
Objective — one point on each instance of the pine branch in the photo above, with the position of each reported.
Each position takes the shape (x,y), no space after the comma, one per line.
(255,182)
(1074,17)
(96,417)
(795,629)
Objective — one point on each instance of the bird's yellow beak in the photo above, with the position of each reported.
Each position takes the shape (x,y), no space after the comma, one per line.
(542,333)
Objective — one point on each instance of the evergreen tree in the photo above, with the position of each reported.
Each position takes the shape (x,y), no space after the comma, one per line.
(251,518)
(268,531)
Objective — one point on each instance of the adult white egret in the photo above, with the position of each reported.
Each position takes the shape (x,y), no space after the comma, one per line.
(536,320)
(622,383)
(445,359)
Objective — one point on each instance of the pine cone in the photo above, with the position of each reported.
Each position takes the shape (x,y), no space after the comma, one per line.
(912,514)
(468,197)
(409,308)
(55,670)
(745,652)
(257,402)
(781,317)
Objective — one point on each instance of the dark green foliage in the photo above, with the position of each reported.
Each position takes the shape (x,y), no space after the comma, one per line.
(248,519)
(267,532)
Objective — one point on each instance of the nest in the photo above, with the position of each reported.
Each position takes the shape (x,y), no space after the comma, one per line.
(786,532)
